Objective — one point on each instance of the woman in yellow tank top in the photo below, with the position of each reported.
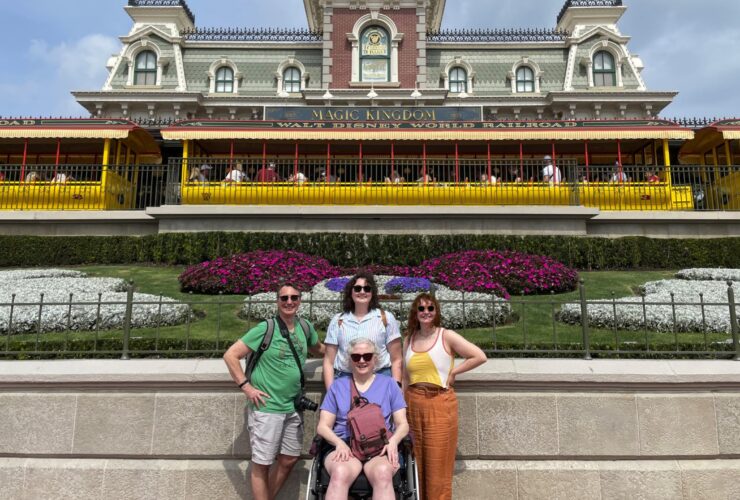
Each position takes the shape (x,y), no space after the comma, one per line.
(429,377)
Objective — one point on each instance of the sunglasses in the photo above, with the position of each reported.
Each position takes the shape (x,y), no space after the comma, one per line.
(366,288)
(428,308)
(365,357)
(294,298)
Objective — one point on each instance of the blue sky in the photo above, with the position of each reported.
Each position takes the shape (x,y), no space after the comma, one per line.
(51,47)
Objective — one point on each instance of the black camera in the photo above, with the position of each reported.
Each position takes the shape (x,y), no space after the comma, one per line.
(302,403)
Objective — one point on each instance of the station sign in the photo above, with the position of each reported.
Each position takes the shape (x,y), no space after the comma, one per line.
(374,114)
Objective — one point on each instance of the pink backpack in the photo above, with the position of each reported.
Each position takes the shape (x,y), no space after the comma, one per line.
(368,434)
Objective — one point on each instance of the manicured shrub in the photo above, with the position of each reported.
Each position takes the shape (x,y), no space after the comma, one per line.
(502,273)
(256,272)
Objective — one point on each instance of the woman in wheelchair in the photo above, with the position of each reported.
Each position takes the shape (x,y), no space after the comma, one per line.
(343,467)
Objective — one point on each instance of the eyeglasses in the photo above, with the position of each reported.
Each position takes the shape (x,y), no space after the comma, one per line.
(365,357)
(294,298)
(366,288)
(428,308)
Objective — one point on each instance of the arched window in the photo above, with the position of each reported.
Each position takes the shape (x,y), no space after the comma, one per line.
(145,69)
(292,80)
(225,80)
(458,80)
(524,79)
(375,55)
(605,74)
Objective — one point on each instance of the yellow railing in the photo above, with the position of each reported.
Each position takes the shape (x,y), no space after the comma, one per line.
(606,196)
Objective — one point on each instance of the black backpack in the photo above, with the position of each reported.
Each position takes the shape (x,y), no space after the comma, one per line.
(254,356)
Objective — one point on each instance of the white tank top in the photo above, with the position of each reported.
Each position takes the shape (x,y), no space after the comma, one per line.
(432,366)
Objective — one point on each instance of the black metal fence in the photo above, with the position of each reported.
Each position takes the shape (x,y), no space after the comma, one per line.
(519,327)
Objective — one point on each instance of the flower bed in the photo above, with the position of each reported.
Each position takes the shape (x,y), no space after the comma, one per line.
(706,273)
(502,273)
(96,303)
(323,302)
(627,313)
(256,272)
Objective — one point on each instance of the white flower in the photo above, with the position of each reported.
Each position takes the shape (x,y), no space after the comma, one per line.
(705,273)
(459,309)
(664,300)
(72,301)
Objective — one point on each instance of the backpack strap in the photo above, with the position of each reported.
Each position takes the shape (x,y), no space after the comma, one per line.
(304,328)
(354,399)
(255,356)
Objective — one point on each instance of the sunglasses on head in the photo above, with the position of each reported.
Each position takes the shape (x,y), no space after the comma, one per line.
(366,288)
(294,298)
(428,308)
(365,357)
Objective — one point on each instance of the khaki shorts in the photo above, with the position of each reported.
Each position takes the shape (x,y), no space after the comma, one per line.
(273,433)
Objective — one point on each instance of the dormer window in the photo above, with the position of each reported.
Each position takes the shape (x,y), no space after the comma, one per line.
(605,74)
(224,80)
(375,55)
(524,79)
(458,80)
(145,68)
(292,80)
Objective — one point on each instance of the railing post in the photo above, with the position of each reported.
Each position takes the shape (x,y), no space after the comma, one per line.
(584,321)
(733,321)
(127,319)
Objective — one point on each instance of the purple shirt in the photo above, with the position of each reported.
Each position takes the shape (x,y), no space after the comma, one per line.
(383,391)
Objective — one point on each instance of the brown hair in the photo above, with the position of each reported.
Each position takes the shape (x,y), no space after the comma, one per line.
(283,285)
(348,305)
(413,323)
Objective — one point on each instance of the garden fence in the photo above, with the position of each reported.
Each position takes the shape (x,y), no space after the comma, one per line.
(531,327)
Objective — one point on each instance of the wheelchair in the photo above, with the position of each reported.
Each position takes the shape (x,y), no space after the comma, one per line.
(405,481)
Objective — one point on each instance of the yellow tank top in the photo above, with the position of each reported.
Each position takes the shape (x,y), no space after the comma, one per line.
(432,366)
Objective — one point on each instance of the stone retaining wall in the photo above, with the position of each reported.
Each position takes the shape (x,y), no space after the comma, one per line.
(529,429)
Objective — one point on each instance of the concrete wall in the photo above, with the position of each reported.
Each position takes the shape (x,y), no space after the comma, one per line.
(515,220)
(535,429)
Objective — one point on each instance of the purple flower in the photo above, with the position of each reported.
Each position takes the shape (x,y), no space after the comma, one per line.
(408,285)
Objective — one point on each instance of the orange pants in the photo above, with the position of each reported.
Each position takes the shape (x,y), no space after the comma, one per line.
(432,417)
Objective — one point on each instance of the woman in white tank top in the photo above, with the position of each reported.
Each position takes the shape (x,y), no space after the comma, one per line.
(429,377)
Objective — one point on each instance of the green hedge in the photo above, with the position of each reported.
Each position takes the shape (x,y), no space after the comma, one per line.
(176,348)
(355,250)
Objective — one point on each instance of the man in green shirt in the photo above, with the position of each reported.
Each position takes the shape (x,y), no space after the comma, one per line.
(275,427)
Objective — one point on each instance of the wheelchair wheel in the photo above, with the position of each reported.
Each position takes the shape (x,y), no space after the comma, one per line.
(312,492)
(412,479)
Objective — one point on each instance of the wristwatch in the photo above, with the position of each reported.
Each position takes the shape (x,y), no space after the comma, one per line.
(246,381)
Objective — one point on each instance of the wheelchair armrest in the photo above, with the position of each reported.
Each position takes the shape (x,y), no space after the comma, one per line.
(407,444)
(317,445)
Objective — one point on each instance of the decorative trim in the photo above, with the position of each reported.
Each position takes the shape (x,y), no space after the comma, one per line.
(497,35)
(252,35)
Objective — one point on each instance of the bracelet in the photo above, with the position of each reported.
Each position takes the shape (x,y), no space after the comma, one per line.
(246,381)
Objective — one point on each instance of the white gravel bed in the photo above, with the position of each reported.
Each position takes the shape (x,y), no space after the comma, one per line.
(659,317)
(328,303)
(708,273)
(97,303)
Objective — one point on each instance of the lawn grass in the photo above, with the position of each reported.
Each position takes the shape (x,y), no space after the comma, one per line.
(217,317)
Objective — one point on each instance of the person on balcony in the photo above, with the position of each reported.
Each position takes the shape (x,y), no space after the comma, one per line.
(298,178)
(618,174)
(550,173)
(200,174)
(394,178)
(61,177)
(651,177)
(33,176)
(322,177)
(268,174)
(235,174)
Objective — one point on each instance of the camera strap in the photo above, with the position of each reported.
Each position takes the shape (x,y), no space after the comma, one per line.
(286,335)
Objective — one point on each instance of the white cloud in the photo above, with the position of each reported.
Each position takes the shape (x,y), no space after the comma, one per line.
(67,66)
